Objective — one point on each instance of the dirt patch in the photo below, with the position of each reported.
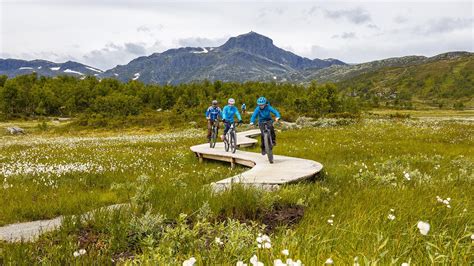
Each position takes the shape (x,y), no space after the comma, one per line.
(282,215)
(279,215)
(123,256)
(92,240)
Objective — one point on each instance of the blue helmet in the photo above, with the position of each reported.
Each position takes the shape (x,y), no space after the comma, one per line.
(262,100)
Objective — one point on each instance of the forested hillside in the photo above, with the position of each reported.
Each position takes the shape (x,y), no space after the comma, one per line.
(444,82)
(30,95)
(437,80)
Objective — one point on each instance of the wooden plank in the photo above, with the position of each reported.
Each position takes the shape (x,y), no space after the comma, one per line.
(262,174)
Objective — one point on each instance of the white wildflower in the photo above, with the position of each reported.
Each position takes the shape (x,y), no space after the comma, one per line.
(285,252)
(218,241)
(356,261)
(472,236)
(266,238)
(405,264)
(76,254)
(424,227)
(278,262)
(407,176)
(267,245)
(240,263)
(82,251)
(330,221)
(189,262)
(391,217)
(329,261)
(254,261)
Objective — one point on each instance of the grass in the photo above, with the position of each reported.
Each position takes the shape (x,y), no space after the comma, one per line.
(429,113)
(371,166)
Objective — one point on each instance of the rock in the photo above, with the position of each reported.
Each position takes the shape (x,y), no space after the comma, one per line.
(304,121)
(15,130)
(288,125)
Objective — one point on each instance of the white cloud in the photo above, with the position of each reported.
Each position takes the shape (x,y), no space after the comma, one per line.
(345,35)
(116,54)
(355,15)
(445,24)
(202,42)
(104,33)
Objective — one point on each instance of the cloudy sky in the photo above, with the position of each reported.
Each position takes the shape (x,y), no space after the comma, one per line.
(104,33)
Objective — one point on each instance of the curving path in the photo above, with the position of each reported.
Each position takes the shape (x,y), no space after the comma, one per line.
(29,231)
(262,174)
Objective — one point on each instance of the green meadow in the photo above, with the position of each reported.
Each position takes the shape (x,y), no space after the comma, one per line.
(384,180)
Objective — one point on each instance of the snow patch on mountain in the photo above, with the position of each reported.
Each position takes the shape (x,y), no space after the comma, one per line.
(204,51)
(25,68)
(72,71)
(136,76)
(94,69)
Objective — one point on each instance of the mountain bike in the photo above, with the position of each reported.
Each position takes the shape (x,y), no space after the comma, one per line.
(230,139)
(214,133)
(267,140)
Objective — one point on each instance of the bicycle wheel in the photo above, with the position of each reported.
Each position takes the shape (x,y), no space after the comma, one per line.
(213,137)
(268,146)
(226,142)
(233,141)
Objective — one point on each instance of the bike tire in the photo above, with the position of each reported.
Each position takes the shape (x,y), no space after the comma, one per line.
(268,146)
(213,137)
(226,143)
(234,141)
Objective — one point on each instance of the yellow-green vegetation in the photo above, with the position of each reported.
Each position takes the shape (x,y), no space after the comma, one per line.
(385,181)
(441,83)
(427,113)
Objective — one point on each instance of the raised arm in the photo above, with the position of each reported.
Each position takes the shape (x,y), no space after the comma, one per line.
(238,114)
(254,115)
(220,113)
(275,112)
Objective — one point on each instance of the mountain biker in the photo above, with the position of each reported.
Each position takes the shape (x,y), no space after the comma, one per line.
(212,113)
(243,108)
(263,112)
(228,115)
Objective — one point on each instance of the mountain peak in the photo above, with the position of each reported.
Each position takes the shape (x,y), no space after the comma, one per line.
(251,41)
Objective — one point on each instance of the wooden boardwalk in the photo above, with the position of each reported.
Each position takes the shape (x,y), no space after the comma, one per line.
(262,174)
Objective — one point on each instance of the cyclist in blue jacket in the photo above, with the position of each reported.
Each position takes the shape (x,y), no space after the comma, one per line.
(263,112)
(228,115)
(212,113)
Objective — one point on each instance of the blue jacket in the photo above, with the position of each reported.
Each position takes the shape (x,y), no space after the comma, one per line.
(264,114)
(229,112)
(213,112)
